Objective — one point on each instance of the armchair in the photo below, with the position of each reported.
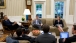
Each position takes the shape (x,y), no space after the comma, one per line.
(6,30)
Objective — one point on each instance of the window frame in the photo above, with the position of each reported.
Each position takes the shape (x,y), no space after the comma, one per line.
(53,8)
(43,8)
(63,9)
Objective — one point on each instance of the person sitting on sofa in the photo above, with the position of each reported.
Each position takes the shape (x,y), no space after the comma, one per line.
(9,24)
(37,23)
(69,39)
(21,36)
(58,22)
(46,37)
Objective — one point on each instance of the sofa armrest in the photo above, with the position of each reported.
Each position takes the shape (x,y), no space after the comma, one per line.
(65,29)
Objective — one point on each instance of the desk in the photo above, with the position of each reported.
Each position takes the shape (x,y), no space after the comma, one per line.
(25,24)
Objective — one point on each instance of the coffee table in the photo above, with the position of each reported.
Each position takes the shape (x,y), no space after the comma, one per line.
(25,24)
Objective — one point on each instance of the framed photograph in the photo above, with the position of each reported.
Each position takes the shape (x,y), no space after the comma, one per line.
(29,2)
(2,3)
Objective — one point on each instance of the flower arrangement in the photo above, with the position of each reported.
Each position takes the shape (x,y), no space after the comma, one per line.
(23,18)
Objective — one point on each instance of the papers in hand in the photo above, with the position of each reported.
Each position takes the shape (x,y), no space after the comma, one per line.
(59,25)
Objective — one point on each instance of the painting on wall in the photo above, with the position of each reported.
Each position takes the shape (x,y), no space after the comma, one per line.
(2,3)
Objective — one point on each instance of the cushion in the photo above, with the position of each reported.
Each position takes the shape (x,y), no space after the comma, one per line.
(43,20)
(52,29)
(49,21)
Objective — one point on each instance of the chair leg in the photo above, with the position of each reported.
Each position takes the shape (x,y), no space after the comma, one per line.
(12,33)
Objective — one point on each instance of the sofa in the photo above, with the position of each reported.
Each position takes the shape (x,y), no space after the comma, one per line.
(50,21)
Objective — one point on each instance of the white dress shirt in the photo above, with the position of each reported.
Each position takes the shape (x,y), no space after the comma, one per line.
(37,22)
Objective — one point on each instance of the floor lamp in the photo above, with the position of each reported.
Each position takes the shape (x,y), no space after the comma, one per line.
(27,13)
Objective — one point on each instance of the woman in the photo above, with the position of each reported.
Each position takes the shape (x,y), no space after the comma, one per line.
(58,22)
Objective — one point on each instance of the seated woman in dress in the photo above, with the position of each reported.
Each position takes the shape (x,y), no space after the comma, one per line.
(58,22)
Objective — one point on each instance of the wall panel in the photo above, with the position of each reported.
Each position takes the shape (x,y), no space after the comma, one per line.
(48,7)
(14,7)
(72,7)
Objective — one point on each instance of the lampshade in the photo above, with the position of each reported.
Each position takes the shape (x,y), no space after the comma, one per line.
(26,12)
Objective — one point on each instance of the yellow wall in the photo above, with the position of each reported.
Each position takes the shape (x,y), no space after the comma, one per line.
(72,7)
(14,7)
(48,7)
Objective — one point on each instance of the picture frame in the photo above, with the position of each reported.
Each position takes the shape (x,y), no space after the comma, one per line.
(28,2)
(2,4)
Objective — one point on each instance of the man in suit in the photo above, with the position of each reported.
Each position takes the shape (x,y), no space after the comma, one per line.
(9,24)
(22,36)
(46,37)
(37,23)
(70,39)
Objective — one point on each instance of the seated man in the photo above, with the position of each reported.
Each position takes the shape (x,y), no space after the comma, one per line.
(21,36)
(69,39)
(9,24)
(46,37)
(58,22)
(37,23)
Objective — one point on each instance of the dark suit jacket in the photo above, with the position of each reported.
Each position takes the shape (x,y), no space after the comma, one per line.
(10,40)
(70,39)
(7,23)
(46,38)
(56,22)
(20,38)
(37,26)
(34,22)
(24,37)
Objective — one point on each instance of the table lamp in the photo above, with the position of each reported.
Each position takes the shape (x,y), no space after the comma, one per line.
(27,13)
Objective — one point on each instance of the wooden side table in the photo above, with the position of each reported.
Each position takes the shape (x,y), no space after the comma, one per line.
(25,24)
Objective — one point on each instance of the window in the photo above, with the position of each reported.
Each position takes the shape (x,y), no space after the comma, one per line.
(59,7)
(39,10)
